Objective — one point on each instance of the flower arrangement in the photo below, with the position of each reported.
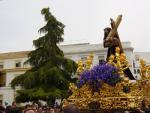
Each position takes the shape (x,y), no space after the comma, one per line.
(102,73)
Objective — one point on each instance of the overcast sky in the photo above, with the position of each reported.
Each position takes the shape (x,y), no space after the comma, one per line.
(84,21)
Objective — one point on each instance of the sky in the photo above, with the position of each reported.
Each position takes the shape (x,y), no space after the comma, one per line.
(84,21)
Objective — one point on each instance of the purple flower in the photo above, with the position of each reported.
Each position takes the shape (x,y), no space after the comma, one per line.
(100,73)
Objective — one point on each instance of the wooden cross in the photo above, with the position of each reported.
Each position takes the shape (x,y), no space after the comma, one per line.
(112,34)
(114,26)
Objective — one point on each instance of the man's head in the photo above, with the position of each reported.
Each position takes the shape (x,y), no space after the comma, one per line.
(71,109)
(106,31)
(14,104)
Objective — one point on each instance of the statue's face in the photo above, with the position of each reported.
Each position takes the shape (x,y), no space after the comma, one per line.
(107,30)
(107,41)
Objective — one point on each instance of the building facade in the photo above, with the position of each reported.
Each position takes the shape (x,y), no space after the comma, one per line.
(12,64)
(136,62)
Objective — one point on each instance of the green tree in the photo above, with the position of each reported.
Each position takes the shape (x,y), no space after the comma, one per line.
(51,72)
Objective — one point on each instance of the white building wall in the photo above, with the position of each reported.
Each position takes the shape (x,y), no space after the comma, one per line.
(9,65)
(8,95)
(129,55)
(11,75)
(137,56)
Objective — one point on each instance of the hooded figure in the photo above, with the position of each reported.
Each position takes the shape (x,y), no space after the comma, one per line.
(111,43)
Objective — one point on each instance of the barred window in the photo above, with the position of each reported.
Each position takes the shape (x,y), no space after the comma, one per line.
(17,63)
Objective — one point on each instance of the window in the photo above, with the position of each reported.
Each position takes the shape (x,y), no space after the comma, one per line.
(138,71)
(133,63)
(1,65)
(84,60)
(18,64)
(101,59)
(134,71)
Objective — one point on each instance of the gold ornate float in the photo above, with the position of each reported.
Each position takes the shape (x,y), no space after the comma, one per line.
(126,94)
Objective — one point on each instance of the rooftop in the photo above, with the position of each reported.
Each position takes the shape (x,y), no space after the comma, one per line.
(12,55)
(71,48)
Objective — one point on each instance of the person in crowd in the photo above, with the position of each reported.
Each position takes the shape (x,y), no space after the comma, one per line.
(2,108)
(8,109)
(16,110)
(71,109)
(28,109)
(34,108)
(51,109)
(138,110)
(44,109)
(147,109)
(39,109)
(14,104)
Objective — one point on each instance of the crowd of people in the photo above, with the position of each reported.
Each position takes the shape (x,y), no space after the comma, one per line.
(28,108)
(55,109)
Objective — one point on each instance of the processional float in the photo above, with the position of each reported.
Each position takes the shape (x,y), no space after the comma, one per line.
(109,84)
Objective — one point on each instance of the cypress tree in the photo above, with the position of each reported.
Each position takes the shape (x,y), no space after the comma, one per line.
(51,72)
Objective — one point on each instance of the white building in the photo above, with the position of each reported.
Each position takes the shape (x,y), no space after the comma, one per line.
(136,61)
(12,64)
